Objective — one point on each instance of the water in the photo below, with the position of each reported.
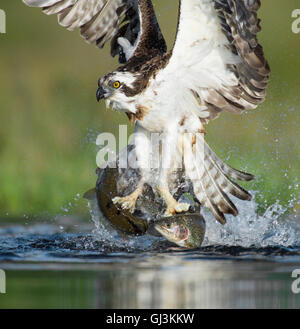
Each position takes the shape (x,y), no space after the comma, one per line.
(70,263)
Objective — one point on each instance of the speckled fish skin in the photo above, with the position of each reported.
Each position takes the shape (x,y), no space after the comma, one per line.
(122,220)
(185,230)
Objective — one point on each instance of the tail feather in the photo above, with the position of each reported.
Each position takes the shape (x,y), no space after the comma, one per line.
(224,203)
(209,175)
(226,184)
(200,180)
(226,169)
(206,200)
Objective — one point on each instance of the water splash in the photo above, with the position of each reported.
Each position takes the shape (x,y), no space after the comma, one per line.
(274,227)
(247,236)
(105,233)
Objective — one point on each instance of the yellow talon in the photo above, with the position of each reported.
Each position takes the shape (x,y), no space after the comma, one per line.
(128,202)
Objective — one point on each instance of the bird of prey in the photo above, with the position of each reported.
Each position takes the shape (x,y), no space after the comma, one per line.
(216,64)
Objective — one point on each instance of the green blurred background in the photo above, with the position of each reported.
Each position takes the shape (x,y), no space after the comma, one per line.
(49,117)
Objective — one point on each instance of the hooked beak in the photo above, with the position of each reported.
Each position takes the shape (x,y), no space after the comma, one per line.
(100,93)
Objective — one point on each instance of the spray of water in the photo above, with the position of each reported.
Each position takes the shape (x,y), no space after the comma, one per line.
(249,229)
(272,228)
(105,233)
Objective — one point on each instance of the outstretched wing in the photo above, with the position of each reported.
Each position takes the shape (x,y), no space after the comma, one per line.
(218,55)
(130,24)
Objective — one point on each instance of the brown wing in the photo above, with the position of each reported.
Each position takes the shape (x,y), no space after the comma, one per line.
(240,24)
(131,24)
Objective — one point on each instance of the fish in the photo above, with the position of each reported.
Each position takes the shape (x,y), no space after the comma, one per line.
(185,230)
(120,220)
(108,186)
(116,181)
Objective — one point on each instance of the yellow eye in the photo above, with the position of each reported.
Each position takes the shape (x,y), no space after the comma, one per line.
(116,84)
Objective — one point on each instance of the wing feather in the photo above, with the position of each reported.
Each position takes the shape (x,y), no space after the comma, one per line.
(102,20)
(210,178)
(58,7)
(218,53)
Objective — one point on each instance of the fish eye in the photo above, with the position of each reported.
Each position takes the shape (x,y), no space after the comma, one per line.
(116,84)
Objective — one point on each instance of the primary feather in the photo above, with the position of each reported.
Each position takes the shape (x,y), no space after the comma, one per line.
(102,20)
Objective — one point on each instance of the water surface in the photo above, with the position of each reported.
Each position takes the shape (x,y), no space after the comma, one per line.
(66,263)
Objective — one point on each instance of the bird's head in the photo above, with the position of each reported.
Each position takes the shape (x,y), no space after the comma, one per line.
(113,88)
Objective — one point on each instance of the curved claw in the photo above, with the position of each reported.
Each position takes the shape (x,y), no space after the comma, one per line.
(126,203)
(177,208)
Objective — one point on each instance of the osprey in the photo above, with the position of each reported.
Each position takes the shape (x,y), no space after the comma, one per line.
(216,64)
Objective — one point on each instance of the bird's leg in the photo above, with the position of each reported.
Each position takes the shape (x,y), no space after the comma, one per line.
(142,149)
(173,206)
(128,202)
(170,148)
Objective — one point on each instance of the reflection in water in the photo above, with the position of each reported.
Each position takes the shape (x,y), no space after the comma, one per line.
(204,285)
(160,281)
(49,269)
